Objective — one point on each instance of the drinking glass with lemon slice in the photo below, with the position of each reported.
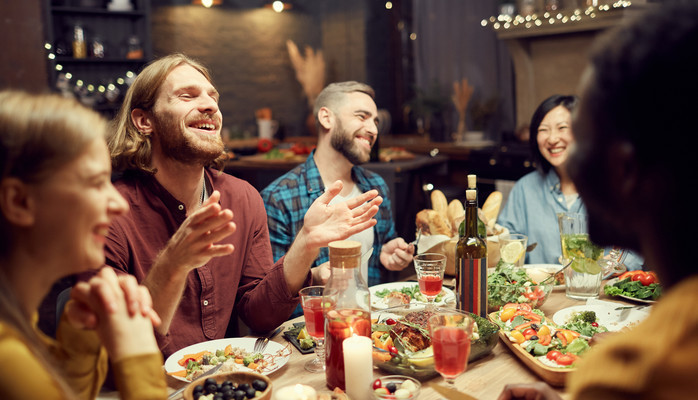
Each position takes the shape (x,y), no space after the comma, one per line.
(512,248)
(583,277)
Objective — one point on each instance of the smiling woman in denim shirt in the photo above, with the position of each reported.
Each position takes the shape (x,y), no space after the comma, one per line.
(535,200)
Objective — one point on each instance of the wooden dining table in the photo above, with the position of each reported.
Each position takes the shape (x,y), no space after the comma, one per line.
(484,378)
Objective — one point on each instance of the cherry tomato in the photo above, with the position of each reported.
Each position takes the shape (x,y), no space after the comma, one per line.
(390,321)
(377,384)
(566,359)
(264,145)
(186,362)
(392,350)
(647,279)
(635,277)
(595,324)
(531,295)
(553,355)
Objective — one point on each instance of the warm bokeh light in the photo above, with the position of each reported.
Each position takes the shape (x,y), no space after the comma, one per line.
(388,5)
(277,6)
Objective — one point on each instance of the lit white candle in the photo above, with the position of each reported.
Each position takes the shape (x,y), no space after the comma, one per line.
(358,366)
(295,392)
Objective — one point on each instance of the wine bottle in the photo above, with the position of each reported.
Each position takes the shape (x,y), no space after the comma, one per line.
(481,228)
(471,262)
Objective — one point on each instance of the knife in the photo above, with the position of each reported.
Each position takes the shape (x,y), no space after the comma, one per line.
(207,373)
(451,394)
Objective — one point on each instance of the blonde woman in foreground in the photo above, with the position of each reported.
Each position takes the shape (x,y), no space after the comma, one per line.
(56,205)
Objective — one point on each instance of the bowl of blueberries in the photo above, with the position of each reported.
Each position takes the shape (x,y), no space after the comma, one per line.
(238,385)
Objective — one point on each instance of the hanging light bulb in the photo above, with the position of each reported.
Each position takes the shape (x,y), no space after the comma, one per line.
(207,3)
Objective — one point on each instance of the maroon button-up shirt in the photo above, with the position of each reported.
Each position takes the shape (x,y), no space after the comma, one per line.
(247,280)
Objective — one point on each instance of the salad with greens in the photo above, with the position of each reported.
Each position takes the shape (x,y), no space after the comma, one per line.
(584,322)
(511,284)
(412,291)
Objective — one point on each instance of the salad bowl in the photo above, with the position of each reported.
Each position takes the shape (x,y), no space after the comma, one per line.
(511,284)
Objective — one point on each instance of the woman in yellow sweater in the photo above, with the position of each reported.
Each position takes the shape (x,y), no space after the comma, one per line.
(56,206)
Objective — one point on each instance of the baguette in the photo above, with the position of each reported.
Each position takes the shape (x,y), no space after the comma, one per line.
(456,213)
(491,207)
(439,203)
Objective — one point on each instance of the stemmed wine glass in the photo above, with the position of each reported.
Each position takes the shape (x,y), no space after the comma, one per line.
(430,273)
(311,301)
(450,337)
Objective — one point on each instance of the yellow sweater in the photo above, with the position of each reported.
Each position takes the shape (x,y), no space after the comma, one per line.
(658,359)
(82,360)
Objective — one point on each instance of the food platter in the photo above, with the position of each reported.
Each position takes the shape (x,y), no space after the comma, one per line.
(615,317)
(280,354)
(380,303)
(611,282)
(553,376)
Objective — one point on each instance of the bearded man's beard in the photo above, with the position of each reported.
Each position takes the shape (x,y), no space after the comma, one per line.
(179,144)
(343,142)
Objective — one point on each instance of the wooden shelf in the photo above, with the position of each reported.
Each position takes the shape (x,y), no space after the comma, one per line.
(98,12)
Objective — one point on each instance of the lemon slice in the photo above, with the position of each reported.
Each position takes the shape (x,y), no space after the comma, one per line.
(303,334)
(511,252)
(586,265)
(422,358)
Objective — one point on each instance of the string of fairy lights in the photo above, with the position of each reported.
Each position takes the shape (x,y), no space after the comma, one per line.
(532,21)
(66,81)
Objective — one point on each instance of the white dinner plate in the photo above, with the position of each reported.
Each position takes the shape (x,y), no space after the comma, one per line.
(381,303)
(280,354)
(611,282)
(539,272)
(607,315)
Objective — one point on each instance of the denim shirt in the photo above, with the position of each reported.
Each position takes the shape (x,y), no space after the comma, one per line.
(531,209)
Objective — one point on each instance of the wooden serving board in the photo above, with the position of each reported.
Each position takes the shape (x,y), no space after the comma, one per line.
(553,376)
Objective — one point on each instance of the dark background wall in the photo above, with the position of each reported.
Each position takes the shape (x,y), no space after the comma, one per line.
(22,60)
(244,44)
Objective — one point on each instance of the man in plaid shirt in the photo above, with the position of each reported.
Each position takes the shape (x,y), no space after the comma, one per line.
(347,119)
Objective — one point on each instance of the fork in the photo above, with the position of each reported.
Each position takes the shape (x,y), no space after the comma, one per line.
(416,241)
(261,343)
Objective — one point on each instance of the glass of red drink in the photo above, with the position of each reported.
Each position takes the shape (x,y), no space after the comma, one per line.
(430,272)
(311,301)
(450,331)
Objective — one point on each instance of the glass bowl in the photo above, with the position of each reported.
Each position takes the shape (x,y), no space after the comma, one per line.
(418,361)
(535,295)
(406,387)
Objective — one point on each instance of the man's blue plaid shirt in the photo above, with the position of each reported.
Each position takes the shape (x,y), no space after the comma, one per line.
(288,198)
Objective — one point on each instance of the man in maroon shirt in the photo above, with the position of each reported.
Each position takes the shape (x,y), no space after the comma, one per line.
(196,237)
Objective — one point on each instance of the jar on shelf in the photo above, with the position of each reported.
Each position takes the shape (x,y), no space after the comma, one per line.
(134,50)
(97,47)
(79,43)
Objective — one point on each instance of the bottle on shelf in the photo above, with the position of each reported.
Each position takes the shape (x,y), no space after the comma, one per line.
(79,43)
(346,307)
(471,262)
